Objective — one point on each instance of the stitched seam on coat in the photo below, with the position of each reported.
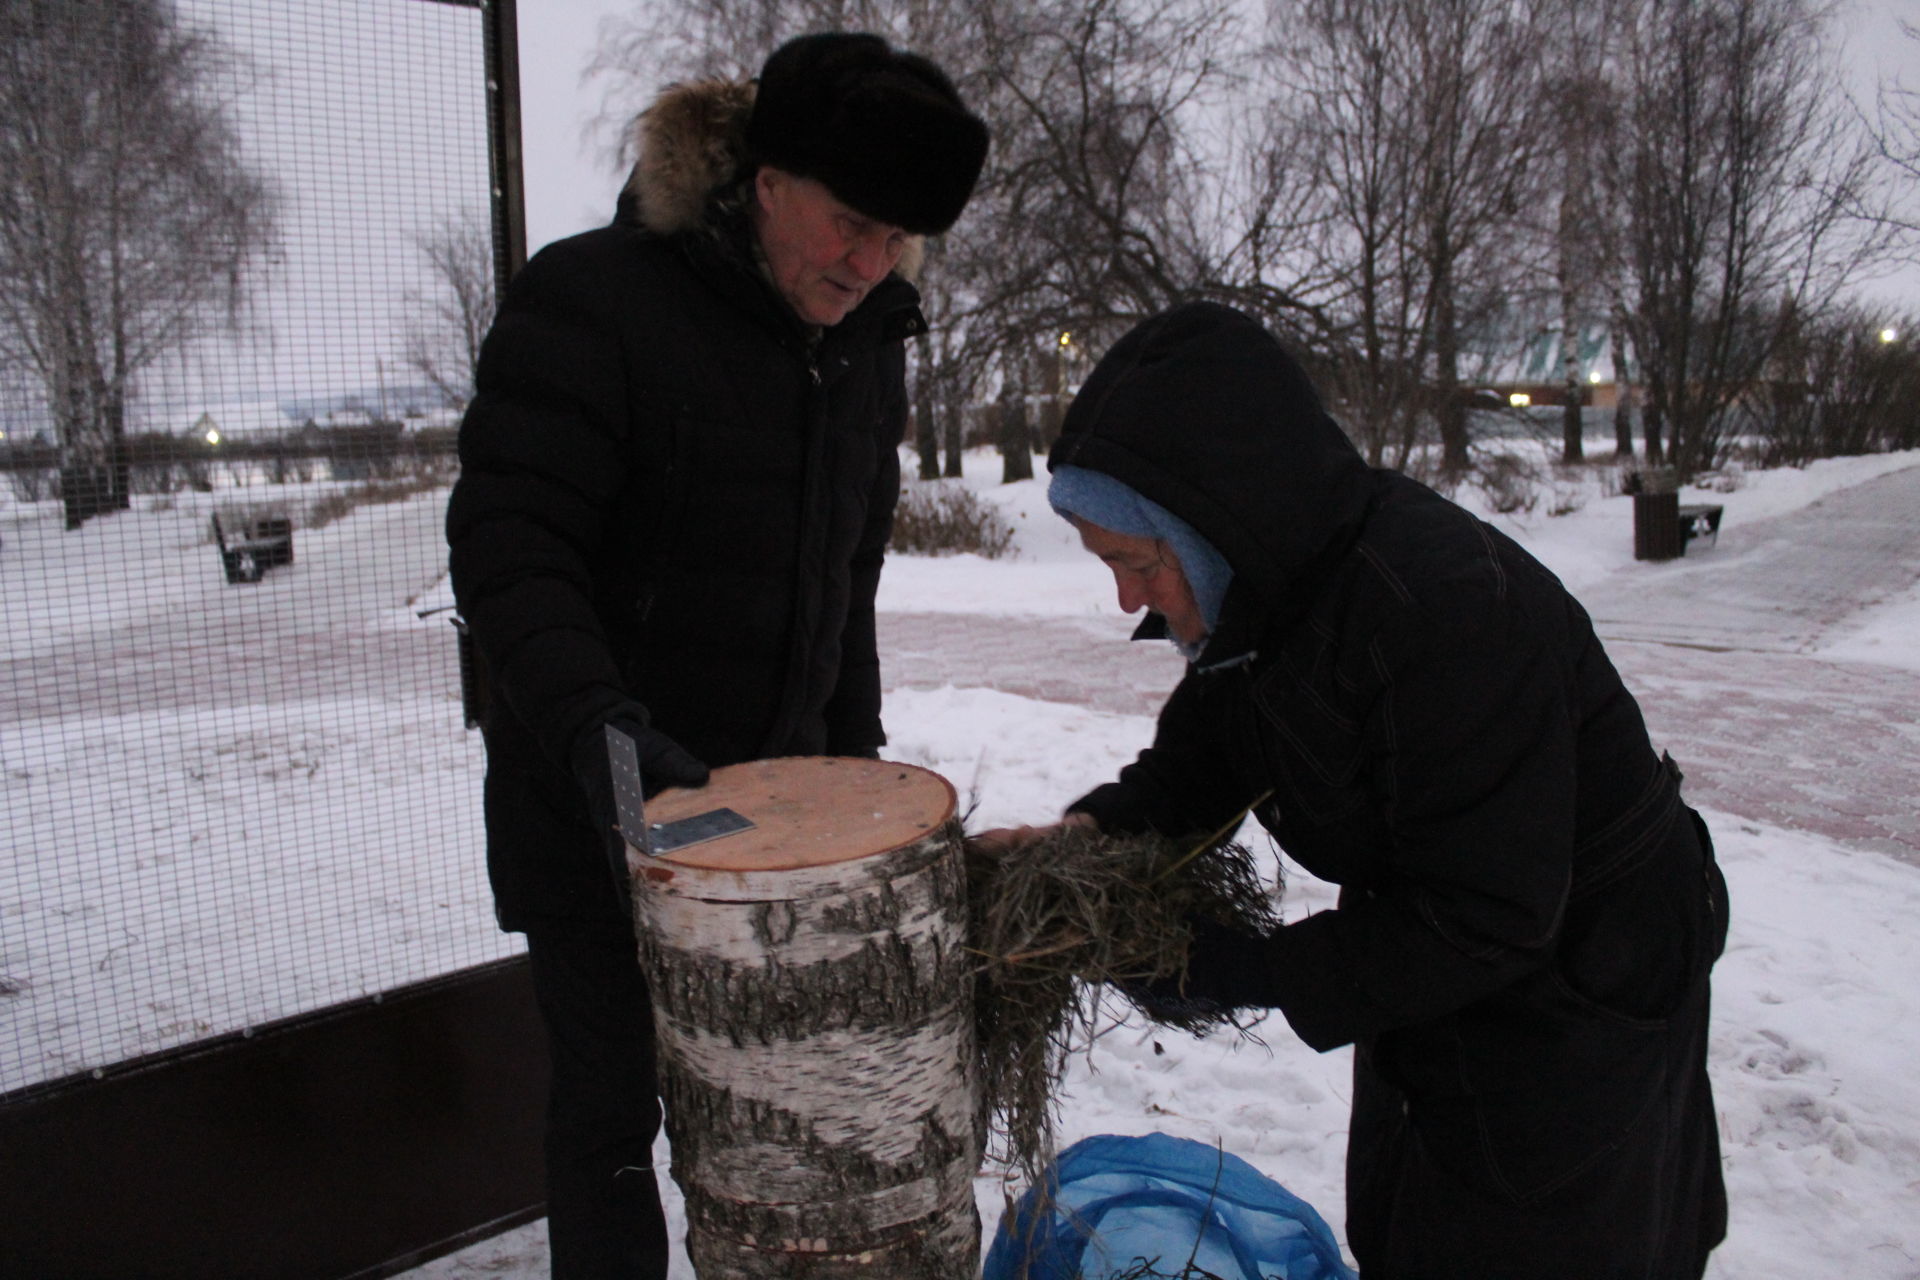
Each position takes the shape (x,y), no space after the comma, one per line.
(1493,559)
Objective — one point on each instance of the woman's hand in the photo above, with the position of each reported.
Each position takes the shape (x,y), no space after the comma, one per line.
(1002,841)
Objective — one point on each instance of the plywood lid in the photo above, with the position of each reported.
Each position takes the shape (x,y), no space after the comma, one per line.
(808,811)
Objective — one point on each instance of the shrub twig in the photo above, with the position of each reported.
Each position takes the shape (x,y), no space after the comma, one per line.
(948,519)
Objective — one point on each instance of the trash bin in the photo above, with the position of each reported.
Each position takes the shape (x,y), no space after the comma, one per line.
(1656,514)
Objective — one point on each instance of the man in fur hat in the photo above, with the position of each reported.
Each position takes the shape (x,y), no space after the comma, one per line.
(678,477)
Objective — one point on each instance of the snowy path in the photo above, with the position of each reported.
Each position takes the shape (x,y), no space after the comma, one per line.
(1827,748)
(134,614)
(1779,584)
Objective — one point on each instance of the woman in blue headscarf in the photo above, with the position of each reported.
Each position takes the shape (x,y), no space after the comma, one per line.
(1417,711)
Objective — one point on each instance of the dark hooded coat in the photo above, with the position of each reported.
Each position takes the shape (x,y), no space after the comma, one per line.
(674,499)
(1420,713)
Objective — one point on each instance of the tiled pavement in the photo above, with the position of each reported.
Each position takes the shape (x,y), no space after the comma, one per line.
(1824,747)
(1084,661)
(1713,646)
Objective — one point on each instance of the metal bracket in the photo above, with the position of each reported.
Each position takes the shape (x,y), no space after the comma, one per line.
(701,827)
(623,762)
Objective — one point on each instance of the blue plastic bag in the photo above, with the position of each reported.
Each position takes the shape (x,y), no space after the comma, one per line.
(1115,1203)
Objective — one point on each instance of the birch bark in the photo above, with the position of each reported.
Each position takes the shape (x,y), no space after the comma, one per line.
(814,1008)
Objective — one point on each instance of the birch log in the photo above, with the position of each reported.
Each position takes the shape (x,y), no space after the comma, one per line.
(814,1008)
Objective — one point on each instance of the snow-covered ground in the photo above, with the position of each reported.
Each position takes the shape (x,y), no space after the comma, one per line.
(224,805)
(1049,574)
(148,895)
(1817,1001)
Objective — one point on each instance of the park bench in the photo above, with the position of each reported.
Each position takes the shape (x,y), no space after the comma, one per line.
(260,544)
(1699,520)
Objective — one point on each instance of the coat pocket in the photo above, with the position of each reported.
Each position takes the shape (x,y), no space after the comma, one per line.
(1633,950)
(1547,1086)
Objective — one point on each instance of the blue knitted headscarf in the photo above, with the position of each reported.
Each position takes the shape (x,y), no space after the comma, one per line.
(1097,498)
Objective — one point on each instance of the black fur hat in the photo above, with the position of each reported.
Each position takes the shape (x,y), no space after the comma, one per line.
(882,128)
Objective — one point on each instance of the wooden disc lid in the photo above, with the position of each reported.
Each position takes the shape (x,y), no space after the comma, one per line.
(808,811)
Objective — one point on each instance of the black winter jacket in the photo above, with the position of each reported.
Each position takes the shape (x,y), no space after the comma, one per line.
(1419,712)
(671,493)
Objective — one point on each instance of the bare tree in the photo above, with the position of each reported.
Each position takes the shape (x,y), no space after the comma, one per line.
(926,422)
(1578,109)
(1091,211)
(129,220)
(1737,166)
(1477,133)
(1844,382)
(1343,93)
(1623,381)
(1425,117)
(1013,431)
(1690,157)
(444,329)
(944,376)
(1896,130)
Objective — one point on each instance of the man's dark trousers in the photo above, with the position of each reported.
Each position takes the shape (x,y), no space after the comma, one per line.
(604,1219)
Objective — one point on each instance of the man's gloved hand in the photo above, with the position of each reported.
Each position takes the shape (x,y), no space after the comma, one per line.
(663,763)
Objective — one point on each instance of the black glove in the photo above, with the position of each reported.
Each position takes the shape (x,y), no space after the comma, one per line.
(663,763)
(1225,971)
(1163,1001)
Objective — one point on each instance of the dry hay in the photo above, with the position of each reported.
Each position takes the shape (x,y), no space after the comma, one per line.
(1075,912)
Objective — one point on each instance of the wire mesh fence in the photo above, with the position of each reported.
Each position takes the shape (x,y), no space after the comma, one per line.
(245,259)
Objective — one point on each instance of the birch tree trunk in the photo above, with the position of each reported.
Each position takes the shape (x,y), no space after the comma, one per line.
(814,1008)
(1568,268)
(926,430)
(1623,387)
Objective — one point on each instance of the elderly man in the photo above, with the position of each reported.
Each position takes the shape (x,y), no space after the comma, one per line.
(1417,711)
(677,483)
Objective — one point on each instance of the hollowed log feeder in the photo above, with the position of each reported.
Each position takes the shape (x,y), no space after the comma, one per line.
(814,1007)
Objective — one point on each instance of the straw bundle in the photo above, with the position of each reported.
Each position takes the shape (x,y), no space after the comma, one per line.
(1061,919)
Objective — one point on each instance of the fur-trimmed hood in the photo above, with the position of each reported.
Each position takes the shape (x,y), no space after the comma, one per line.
(691,148)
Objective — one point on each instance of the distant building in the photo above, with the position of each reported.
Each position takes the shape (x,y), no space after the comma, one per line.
(1530,372)
(232,419)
